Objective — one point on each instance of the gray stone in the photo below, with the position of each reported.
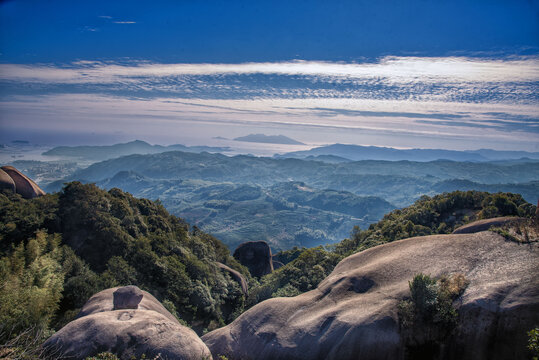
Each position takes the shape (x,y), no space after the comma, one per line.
(353,312)
(149,329)
(256,256)
(127,297)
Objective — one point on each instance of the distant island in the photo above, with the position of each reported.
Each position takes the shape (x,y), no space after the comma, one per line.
(269,139)
(104,152)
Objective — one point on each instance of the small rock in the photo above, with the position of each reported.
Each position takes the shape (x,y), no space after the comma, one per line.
(127,297)
(256,256)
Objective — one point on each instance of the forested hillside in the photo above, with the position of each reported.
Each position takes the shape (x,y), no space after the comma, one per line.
(57,250)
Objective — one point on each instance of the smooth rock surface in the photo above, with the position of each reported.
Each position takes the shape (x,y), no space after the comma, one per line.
(6,182)
(485,224)
(353,312)
(150,329)
(24,186)
(256,256)
(127,333)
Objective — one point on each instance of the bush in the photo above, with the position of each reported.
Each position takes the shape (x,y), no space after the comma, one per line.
(431,301)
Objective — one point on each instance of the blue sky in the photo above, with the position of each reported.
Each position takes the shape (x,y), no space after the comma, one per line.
(243,31)
(419,73)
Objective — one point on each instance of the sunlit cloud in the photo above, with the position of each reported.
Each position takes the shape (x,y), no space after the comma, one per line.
(410,69)
(478,102)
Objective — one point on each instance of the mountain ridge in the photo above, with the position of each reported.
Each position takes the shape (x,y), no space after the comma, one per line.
(105,152)
(359,152)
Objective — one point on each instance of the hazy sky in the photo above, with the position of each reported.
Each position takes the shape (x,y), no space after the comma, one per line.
(419,73)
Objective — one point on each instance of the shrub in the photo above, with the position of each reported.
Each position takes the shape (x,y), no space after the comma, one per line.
(431,301)
(424,294)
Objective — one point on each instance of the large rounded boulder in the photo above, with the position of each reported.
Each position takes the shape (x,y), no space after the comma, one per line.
(256,256)
(353,314)
(127,322)
(22,184)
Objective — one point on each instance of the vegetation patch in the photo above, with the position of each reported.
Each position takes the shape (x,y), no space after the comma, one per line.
(523,231)
(429,317)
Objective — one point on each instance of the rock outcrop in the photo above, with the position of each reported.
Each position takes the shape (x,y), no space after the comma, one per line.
(20,183)
(483,225)
(6,182)
(256,256)
(129,323)
(236,276)
(126,297)
(353,312)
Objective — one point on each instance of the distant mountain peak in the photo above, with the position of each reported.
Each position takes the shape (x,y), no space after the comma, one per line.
(269,139)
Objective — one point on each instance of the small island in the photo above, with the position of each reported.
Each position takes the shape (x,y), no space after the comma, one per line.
(268,139)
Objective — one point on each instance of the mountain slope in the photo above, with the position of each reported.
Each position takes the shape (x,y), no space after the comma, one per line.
(285,215)
(400,182)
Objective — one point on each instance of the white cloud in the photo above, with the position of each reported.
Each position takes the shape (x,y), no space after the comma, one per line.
(407,98)
(404,69)
(124,22)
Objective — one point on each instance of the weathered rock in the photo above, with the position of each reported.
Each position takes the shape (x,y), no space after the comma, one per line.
(104,301)
(236,276)
(483,225)
(23,184)
(6,182)
(150,329)
(353,312)
(127,297)
(256,255)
